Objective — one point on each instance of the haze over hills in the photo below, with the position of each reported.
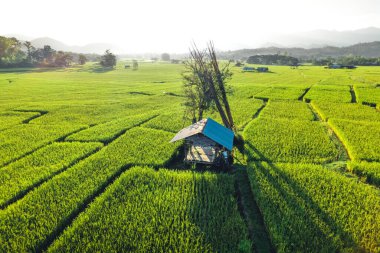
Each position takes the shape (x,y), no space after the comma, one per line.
(317,43)
(96,48)
(370,50)
(322,38)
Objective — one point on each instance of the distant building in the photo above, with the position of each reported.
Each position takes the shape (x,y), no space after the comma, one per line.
(248,69)
(206,142)
(262,69)
(340,66)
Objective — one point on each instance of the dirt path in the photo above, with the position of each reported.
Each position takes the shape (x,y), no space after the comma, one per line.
(353,94)
(343,153)
(251,214)
(247,205)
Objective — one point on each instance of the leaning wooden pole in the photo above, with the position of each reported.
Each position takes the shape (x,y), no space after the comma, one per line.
(205,76)
(220,81)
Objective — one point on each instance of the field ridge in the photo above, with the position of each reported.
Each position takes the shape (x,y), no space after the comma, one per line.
(59,139)
(37,184)
(251,214)
(49,240)
(343,151)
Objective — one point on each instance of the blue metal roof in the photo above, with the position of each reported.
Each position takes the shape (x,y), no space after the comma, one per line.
(219,134)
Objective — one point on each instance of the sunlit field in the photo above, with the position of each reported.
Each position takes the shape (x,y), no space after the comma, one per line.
(86,164)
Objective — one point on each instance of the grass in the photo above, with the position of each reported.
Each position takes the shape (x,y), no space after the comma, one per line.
(303,201)
(308,208)
(159,211)
(283,140)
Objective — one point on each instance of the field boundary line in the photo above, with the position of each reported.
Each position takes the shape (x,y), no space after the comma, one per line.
(304,93)
(251,214)
(253,218)
(373,105)
(315,113)
(27,121)
(59,139)
(257,113)
(49,240)
(36,185)
(117,135)
(338,136)
(156,128)
(353,95)
(344,154)
(59,230)
(255,93)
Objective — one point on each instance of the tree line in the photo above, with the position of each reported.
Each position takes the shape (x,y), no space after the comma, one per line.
(15,53)
(273,59)
(277,59)
(347,60)
(368,50)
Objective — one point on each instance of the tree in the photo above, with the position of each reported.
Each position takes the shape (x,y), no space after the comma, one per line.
(82,59)
(62,59)
(165,57)
(10,51)
(48,54)
(38,55)
(14,53)
(108,59)
(135,65)
(273,59)
(205,85)
(29,50)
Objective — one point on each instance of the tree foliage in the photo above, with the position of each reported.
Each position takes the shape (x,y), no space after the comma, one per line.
(63,59)
(10,51)
(108,59)
(275,59)
(165,57)
(14,53)
(205,85)
(348,60)
(82,59)
(29,50)
(135,65)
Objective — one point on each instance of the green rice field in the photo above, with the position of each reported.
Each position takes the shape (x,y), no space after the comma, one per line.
(86,164)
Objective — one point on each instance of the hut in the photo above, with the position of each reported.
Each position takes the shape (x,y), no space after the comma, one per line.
(248,69)
(334,66)
(206,142)
(262,69)
(339,66)
(349,67)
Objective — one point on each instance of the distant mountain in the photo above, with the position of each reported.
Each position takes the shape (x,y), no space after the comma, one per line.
(321,38)
(371,49)
(318,43)
(97,48)
(55,44)
(18,36)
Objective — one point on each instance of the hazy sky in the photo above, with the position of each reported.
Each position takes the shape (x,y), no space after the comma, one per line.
(171,25)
